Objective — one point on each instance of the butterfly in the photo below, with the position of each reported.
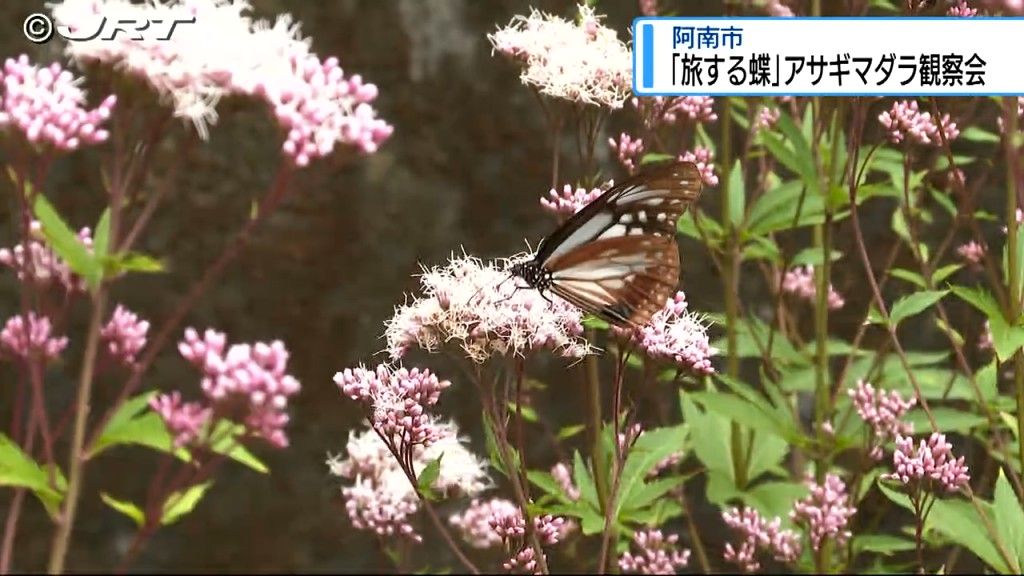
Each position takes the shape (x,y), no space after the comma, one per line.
(617,257)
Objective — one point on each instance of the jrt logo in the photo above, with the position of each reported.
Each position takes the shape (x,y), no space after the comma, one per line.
(39,28)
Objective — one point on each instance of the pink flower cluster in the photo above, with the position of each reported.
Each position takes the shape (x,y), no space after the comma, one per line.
(476,524)
(654,553)
(758,534)
(314,102)
(398,400)
(571,200)
(378,493)
(778,9)
(962,9)
(663,111)
(799,282)
(488,523)
(583,61)
(930,465)
(883,412)
(246,383)
(826,511)
(704,159)
(124,335)
(25,341)
(46,105)
(628,150)
(766,118)
(562,473)
(322,107)
(677,335)
(972,252)
(904,121)
(480,307)
(184,420)
(33,259)
(550,531)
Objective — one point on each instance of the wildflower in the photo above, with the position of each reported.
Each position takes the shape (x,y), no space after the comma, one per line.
(184,420)
(34,260)
(549,530)
(562,474)
(25,341)
(47,106)
(249,381)
(972,252)
(398,400)
(629,150)
(800,282)
(316,105)
(382,498)
(677,335)
(962,9)
(826,511)
(476,305)
(883,412)
(475,522)
(931,465)
(758,534)
(766,118)
(125,335)
(664,111)
(655,554)
(582,62)
(905,121)
(570,200)
(704,159)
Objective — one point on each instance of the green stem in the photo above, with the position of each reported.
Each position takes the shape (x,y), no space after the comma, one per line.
(1010,142)
(594,424)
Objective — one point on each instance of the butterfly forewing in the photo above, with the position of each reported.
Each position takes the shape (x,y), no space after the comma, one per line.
(617,257)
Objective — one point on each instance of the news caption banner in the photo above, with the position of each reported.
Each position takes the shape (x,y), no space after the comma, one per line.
(676,56)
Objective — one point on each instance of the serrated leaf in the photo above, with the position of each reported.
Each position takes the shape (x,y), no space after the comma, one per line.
(181,503)
(914,304)
(19,469)
(650,448)
(126,508)
(910,276)
(945,272)
(778,208)
(1009,517)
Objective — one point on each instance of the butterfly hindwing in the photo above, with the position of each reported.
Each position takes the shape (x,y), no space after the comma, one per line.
(617,257)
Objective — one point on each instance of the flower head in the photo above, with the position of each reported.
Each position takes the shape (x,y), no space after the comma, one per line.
(480,307)
(799,282)
(883,412)
(381,497)
(904,121)
(962,9)
(931,464)
(47,106)
(654,553)
(476,524)
(246,382)
(826,511)
(184,420)
(766,118)
(582,62)
(663,111)
(562,473)
(972,252)
(21,340)
(704,159)
(756,533)
(677,335)
(124,335)
(570,200)
(629,150)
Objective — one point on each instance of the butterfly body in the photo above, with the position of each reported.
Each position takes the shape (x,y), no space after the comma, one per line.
(617,257)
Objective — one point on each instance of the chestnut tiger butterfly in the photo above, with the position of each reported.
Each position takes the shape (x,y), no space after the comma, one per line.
(617,257)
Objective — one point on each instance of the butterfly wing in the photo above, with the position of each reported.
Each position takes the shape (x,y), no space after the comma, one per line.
(617,257)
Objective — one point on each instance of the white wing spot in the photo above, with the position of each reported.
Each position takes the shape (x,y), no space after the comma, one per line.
(642,217)
(662,217)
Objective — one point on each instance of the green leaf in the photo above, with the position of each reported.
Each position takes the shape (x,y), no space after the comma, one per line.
(428,476)
(709,434)
(19,469)
(945,272)
(101,238)
(814,257)
(227,443)
(584,482)
(914,304)
(884,544)
(778,208)
(1006,339)
(569,431)
(181,503)
(66,243)
(655,157)
(946,419)
(529,414)
(910,276)
(133,423)
(775,498)
(1009,517)
(737,196)
(124,507)
(650,448)
(132,262)
(975,134)
(980,298)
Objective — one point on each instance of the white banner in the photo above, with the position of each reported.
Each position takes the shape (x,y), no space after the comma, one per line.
(948,56)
